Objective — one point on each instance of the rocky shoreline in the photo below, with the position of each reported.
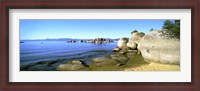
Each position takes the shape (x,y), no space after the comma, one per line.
(113,62)
(151,52)
(140,52)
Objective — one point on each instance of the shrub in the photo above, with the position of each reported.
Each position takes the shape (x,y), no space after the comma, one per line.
(171,29)
(134,31)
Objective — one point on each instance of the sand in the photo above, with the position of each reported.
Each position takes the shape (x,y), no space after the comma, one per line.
(154,67)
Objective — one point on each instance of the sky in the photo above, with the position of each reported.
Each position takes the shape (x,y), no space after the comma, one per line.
(84,29)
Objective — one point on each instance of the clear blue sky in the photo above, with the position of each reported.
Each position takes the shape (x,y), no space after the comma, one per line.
(84,29)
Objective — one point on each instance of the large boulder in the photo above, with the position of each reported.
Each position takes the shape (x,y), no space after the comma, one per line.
(155,47)
(135,39)
(131,44)
(122,42)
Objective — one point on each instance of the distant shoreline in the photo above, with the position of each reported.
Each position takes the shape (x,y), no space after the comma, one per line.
(66,39)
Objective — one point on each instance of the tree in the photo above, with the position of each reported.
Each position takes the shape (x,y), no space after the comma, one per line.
(168,24)
(176,28)
(151,29)
(134,31)
(177,22)
(172,29)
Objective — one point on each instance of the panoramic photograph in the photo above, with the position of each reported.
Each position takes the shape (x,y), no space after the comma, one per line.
(99,45)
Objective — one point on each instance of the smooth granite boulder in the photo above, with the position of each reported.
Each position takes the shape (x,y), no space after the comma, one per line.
(135,39)
(122,42)
(161,49)
(131,44)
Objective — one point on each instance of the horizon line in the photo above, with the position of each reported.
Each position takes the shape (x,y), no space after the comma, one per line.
(66,38)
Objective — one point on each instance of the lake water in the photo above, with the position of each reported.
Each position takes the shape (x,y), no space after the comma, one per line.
(37,51)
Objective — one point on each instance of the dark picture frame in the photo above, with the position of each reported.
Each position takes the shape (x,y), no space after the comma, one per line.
(100,4)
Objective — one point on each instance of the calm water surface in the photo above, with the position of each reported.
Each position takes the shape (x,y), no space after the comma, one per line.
(36,51)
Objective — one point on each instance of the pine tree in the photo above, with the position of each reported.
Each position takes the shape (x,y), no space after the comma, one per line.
(172,29)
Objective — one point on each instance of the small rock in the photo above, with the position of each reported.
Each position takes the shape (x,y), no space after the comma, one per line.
(75,62)
(135,51)
(138,52)
(122,52)
(132,51)
(116,49)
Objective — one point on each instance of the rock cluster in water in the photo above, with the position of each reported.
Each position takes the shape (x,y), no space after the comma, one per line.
(97,41)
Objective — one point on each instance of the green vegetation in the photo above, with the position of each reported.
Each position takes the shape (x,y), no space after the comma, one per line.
(151,29)
(172,29)
(134,31)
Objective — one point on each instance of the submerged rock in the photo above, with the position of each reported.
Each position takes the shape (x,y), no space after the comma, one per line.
(122,59)
(130,55)
(47,62)
(103,61)
(103,64)
(70,67)
(160,49)
(39,66)
(75,65)
(124,50)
